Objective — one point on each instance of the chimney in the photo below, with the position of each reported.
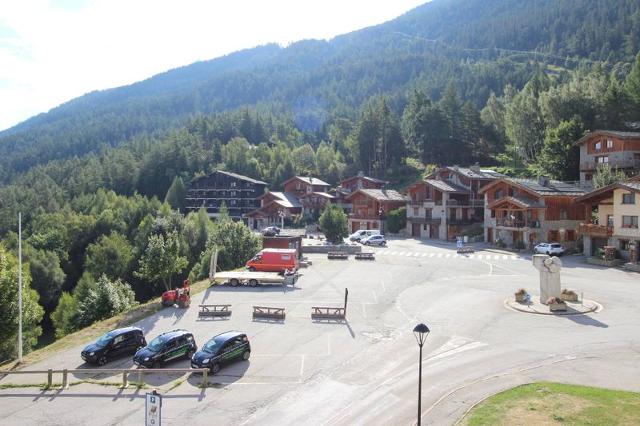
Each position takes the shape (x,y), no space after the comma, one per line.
(360,173)
(475,168)
(543,181)
(455,167)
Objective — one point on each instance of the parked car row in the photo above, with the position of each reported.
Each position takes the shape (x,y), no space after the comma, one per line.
(167,347)
(368,237)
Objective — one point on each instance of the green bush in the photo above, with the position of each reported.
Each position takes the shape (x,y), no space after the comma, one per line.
(397,219)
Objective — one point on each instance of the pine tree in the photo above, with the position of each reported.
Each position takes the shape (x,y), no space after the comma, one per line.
(176,194)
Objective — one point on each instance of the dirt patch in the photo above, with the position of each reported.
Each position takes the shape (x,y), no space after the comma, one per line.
(545,410)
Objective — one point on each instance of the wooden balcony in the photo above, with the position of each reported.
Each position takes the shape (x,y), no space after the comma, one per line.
(591,164)
(593,230)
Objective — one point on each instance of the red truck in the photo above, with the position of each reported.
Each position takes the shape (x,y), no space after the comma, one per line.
(274,260)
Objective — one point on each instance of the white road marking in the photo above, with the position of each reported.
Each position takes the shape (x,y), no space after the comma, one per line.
(440,255)
(457,350)
(432,254)
(375,297)
(364,311)
(301,365)
(424,254)
(384,289)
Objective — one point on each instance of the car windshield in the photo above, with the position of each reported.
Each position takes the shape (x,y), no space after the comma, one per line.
(156,344)
(213,345)
(105,340)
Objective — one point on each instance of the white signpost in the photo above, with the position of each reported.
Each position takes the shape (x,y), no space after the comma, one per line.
(153,408)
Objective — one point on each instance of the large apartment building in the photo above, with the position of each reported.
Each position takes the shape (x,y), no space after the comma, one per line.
(620,150)
(530,211)
(240,194)
(611,217)
(447,202)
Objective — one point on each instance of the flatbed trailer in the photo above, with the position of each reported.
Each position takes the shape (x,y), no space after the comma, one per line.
(250,278)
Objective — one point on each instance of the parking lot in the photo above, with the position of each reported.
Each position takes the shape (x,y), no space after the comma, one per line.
(364,370)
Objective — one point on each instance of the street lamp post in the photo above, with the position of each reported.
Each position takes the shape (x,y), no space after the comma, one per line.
(420,331)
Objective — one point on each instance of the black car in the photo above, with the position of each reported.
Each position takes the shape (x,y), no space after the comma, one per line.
(116,343)
(166,347)
(222,349)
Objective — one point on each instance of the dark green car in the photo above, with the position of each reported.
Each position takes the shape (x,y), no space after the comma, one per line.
(222,349)
(166,347)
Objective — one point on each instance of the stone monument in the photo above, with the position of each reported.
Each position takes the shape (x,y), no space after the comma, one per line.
(549,268)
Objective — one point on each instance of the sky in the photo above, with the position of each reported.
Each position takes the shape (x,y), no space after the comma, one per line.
(52,51)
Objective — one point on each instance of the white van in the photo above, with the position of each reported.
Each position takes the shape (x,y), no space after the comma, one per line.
(362,233)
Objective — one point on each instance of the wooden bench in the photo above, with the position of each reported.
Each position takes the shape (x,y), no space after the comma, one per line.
(365,256)
(323,312)
(268,312)
(337,255)
(214,311)
(464,250)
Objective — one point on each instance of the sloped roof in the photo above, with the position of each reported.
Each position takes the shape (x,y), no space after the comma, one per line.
(553,187)
(447,186)
(310,180)
(234,175)
(475,173)
(520,201)
(615,133)
(369,178)
(381,194)
(286,199)
(630,185)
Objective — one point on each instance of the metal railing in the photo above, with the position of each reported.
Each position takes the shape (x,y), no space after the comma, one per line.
(613,163)
(517,223)
(125,372)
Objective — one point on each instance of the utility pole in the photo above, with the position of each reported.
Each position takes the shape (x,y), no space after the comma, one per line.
(19,287)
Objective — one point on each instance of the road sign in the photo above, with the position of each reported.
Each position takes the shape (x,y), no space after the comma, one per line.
(153,408)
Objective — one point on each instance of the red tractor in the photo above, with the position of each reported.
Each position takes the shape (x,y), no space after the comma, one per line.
(179,296)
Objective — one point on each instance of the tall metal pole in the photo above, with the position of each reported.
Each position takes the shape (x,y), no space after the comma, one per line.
(420,389)
(19,287)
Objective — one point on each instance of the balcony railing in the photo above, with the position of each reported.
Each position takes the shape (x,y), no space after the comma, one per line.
(517,223)
(427,220)
(464,221)
(613,163)
(593,230)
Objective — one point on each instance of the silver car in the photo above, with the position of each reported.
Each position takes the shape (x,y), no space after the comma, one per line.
(374,240)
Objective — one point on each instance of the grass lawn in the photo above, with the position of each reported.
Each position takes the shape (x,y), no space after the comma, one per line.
(97,329)
(554,403)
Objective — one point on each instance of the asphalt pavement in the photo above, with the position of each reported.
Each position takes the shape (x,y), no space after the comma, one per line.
(365,370)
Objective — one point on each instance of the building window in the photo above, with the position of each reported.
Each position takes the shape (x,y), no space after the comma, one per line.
(571,235)
(510,192)
(624,245)
(493,213)
(588,176)
(233,193)
(553,236)
(629,198)
(598,146)
(233,202)
(602,160)
(416,211)
(233,184)
(630,221)
(498,194)
(609,143)
(563,214)
(609,220)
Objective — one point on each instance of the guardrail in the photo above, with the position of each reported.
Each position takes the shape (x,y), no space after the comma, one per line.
(123,371)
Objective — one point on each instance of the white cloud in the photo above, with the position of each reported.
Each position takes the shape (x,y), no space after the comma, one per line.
(51,52)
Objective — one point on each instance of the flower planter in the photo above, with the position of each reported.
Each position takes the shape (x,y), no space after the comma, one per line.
(569,297)
(555,307)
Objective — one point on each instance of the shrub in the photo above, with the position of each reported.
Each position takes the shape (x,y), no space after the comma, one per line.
(397,219)
(569,292)
(555,301)
(500,243)
(521,292)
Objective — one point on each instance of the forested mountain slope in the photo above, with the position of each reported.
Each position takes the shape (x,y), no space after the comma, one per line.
(477,43)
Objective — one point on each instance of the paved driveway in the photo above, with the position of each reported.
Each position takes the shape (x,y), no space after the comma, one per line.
(364,371)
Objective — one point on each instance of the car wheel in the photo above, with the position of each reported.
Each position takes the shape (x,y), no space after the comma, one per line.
(252,269)
(102,360)
(253,282)
(246,355)
(215,368)
(548,254)
(234,282)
